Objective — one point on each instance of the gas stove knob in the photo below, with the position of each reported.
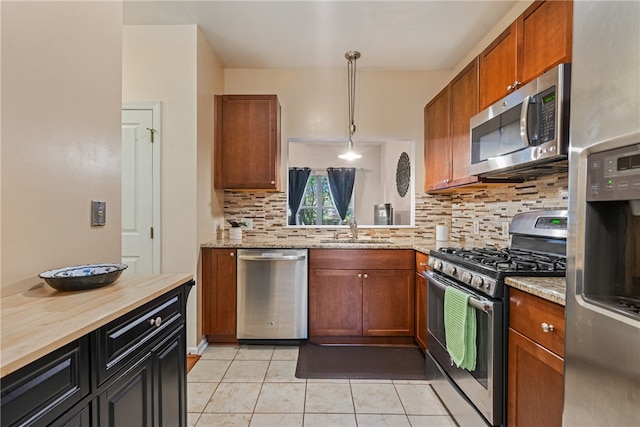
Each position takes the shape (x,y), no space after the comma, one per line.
(477,281)
(437,265)
(450,270)
(431,262)
(466,277)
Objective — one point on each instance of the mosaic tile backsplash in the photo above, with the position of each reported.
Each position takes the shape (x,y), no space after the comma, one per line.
(492,208)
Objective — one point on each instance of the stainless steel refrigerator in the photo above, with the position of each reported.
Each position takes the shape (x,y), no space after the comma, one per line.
(602,349)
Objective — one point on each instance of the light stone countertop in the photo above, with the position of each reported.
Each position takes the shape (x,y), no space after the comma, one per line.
(552,289)
(422,245)
(40,320)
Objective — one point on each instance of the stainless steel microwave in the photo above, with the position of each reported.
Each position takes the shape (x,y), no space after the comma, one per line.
(526,134)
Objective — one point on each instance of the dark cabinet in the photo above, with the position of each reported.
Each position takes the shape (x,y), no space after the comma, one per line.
(170,390)
(48,387)
(128,400)
(219,294)
(537,41)
(247,142)
(132,371)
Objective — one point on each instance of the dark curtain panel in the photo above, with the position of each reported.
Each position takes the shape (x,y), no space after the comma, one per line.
(297,182)
(341,182)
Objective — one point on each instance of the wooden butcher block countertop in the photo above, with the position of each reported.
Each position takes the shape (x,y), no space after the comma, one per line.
(42,319)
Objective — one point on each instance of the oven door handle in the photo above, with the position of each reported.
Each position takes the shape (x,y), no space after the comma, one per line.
(485,306)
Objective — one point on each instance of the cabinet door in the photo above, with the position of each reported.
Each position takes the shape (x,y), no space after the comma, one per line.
(128,401)
(335,302)
(388,303)
(464,105)
(547,28)
(421,311)
(44,389)
(81,418)
(498,67)
(219,294)
(170,389)
(535,384)
(247,142)
(437,143)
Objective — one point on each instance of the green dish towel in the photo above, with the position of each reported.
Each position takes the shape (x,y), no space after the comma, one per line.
(460,328)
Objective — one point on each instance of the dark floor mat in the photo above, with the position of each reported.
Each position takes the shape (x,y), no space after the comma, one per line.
(360,362)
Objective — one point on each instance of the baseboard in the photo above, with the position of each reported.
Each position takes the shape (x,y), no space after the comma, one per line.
(199,349)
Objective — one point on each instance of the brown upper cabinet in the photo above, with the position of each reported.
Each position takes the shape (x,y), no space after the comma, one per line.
(446,132)
(536,42)
(247,142)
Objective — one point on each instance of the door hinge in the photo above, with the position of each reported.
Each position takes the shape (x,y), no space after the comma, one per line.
(151,132)
(151,232)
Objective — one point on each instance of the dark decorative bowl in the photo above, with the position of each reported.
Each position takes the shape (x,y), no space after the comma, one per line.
(83,277)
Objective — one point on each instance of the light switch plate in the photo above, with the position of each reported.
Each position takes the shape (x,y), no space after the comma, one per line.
(98,213)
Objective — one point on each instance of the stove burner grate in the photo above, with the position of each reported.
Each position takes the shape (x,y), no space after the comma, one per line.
(510,259)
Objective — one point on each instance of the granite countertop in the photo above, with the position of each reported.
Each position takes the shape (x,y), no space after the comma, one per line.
(327,243)
(552,289)
(42,319)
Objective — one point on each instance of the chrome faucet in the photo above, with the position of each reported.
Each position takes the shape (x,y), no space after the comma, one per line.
(353,225)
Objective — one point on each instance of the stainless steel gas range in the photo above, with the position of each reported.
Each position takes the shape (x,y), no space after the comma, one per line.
(538,248)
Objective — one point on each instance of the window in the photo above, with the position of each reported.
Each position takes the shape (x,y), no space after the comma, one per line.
(317,206)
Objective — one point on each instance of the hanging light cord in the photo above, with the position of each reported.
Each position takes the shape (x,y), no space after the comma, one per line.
(352,56)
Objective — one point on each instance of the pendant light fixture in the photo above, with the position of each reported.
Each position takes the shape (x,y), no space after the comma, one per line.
(351,57)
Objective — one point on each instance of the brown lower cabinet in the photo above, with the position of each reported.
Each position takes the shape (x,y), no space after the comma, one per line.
(358,296)
(219,294)
(536,363)
(421,300)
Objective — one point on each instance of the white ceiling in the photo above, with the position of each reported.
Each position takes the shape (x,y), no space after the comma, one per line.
(391,35)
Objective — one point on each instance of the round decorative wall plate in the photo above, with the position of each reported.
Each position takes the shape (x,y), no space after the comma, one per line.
(403,174)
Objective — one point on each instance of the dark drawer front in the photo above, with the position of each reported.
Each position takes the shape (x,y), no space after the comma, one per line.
(124,339)
(47,387)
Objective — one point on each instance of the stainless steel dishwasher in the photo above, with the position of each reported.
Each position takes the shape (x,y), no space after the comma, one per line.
(272,294)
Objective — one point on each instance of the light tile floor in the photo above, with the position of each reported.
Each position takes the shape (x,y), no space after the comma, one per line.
(255,385)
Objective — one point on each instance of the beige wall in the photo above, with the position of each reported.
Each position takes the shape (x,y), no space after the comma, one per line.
(209,201)
(173,64)
(314,103)
(497,29)
(61,96)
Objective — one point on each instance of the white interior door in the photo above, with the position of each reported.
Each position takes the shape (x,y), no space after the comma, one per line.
(139,229)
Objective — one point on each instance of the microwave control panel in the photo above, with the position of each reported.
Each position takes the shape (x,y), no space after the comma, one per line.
(614,174)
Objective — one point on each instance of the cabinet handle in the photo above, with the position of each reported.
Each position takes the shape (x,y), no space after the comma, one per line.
(232,254)
(422,264)
(273,183)
(366,275)
(155,322)
(546,328)
(359,274)
(514,86)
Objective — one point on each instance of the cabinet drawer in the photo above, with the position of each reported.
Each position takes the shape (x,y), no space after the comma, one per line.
(48,387)
(362,259)
(528,313)
(124,339)
(421,262)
